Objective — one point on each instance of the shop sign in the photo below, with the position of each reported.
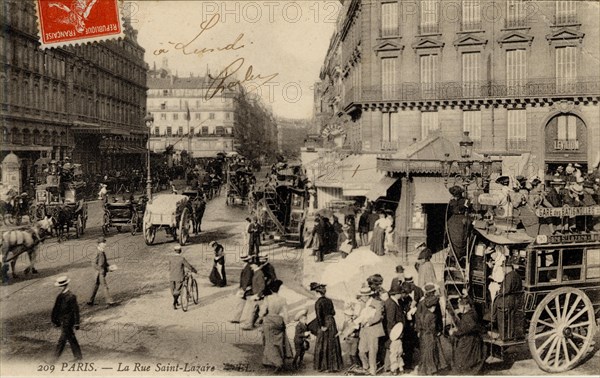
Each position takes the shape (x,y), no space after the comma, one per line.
(569,238)
(546,212)
(566,145)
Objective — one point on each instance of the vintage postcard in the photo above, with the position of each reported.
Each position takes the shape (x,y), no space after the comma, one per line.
(302,187)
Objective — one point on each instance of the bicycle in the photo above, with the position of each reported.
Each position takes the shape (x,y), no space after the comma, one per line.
(189,290)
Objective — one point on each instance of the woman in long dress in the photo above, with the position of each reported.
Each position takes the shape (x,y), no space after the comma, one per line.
(328,350)
(432,359)
(217,274)
(457,223)
(378,239)
(273,314)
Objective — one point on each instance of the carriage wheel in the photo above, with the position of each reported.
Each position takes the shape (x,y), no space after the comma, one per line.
(184,227)
(561,330)
(134,222)
(106,224)
(78,226)
(33,214)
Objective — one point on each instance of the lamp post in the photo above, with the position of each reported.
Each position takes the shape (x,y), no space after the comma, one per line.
(149,120)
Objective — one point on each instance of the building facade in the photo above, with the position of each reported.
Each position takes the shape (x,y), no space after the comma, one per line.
(189,116)
(291,134)
(522,77)
(86,102)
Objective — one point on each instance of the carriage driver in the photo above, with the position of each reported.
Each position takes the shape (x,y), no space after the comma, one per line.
(177,265)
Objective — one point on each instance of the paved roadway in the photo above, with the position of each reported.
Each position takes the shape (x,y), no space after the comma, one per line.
(144,328)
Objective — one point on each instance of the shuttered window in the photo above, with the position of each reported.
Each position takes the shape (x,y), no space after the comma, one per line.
(390,20)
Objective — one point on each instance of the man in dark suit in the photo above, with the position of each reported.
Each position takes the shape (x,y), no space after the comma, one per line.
(101,267)
(254,231)
(399,279)
(393,314)
(65,314)
(244,290)
(177,265)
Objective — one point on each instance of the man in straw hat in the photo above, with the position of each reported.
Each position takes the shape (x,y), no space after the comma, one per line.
(468,348)
(101,268)
(65,315)
(177,266)
(370,320)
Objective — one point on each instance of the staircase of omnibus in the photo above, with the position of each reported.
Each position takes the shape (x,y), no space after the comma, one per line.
(456,281)
(271,203)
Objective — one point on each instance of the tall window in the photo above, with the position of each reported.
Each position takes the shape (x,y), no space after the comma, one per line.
(180,130)
(175,116)
(515,13)
(169,131)
(157,131)
(471,15)
(516,71)
(517,129)
(163,116)
(211,115)
(567,128)
(429,67)
(472,124)
(204,130)
(388,77)
(429,123)
(566,12)
(198,116)
(470,73)
(566,68)
(429,16)
(389,20)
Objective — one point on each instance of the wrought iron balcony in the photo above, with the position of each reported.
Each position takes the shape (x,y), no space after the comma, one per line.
(429,28)
(565,19)
(456,90)
(470,25)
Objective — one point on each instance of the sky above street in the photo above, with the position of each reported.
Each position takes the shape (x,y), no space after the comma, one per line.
(275,48)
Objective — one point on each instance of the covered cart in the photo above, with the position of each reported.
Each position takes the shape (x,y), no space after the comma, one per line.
(172,212)
(123,214)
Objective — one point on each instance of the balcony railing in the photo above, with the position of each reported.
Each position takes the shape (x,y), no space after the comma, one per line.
(517,144)
(565,19)
(454,90)
(430,28)
(470,25)
(389,145)
(516,22)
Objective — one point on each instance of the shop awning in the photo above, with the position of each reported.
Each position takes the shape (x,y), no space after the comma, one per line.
(430,190)
(380,188)
(16,147)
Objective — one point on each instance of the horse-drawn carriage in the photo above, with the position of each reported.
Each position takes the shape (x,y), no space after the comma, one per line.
(63,203)
(555,309)
(172,212)
(123,214)
(239,183)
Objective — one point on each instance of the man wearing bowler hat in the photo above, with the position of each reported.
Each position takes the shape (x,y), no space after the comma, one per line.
(65,315)
(393,314)
(101,268)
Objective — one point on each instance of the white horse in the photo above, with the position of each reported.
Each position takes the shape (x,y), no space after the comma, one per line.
(17,242)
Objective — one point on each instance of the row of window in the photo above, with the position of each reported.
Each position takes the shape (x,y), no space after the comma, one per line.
(471,122)
(516,68)
(204,130)
(517,14)
(196,116)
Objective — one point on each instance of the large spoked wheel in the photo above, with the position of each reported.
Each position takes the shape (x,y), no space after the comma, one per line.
(134,222)
(106,224)
(194,290)
(149,230)
(184,227)
(561,330)
(185,298)
(78,226)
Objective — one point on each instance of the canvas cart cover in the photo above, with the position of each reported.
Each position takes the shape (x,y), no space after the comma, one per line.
(166,203)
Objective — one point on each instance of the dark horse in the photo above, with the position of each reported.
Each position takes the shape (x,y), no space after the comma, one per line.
(198,208)
(61,217)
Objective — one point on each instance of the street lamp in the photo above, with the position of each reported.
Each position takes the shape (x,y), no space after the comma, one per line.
(149,120)
(466,146)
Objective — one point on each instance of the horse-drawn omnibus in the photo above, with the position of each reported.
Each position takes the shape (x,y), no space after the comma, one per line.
(555,310)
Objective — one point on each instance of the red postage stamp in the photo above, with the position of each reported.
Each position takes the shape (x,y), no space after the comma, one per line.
(64,22)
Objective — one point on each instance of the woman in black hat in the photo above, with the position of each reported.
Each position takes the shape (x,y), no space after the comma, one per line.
(217,275)
(328,350)
(457,224)
(432,360)
(468,347)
